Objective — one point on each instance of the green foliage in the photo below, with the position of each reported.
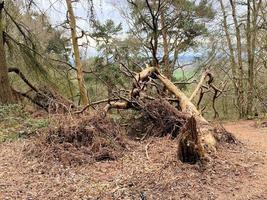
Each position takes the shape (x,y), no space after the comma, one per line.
(58,45)
(32,61)
(107,76)
(105,35)
(39,51)
(183,74)
(108,71)
(16,123)
(205,10)
(106,30)
(105,66)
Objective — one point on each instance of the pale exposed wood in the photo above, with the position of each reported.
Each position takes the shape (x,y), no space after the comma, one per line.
(116,105)
(152,72)
(186,105)
(200,83)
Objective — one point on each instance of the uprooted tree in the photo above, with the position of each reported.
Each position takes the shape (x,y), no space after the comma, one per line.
(151,93)
(196,139)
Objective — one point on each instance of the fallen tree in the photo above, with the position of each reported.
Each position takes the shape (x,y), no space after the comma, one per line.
(45,98)
(196,140)
(196,136)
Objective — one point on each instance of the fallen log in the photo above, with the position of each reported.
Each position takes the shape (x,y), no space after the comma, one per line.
(196,140)
(45,98)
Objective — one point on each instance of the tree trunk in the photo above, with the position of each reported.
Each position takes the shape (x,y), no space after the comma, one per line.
(251,43)
(167,67)
(196,139)
(185,104)
(231,50)
(240,63)
(6,96)
(250,62)
(78,63)
(190,149)
(203,132)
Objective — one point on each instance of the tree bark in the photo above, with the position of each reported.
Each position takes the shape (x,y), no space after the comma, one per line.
(231,50)
(6,96)
(167,67)
(200,136)
(250,61)
(190,149)
(78,63)
(240,62)
(251,47)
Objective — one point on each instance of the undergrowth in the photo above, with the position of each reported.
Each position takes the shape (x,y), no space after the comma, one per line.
(16,123)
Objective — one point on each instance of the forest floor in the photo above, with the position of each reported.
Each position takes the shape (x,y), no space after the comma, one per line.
(149,170)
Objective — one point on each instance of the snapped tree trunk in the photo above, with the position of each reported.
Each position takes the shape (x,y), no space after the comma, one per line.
(196,139)
(6,96)
(190,149)
(78,63)
(200,133)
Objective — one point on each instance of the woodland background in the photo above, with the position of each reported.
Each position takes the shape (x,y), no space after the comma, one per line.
(182,38)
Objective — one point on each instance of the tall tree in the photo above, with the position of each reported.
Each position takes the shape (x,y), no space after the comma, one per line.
(5,89)
(243,49)
(75,46)
(165,58)
(241,100)
(168,28)
(231,51)
(251,32)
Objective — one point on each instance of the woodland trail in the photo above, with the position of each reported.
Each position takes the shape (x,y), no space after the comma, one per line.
(255,139)
(149,170)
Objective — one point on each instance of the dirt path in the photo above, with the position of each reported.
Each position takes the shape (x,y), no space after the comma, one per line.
(255,139)
(148,171)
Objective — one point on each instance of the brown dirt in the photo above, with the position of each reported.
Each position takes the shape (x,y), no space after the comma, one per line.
(149,170)
(255,137)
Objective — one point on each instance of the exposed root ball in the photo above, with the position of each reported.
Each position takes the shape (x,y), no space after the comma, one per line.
(159,118)
(78,141)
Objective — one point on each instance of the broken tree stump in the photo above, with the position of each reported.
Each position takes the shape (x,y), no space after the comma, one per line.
(190,149)
(196,140)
